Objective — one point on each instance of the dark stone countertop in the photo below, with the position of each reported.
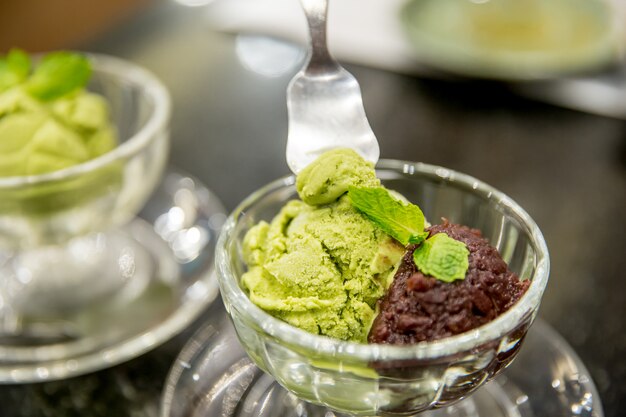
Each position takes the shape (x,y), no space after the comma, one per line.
(567,169)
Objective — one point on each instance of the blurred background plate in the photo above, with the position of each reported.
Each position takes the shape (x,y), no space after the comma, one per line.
(512,40)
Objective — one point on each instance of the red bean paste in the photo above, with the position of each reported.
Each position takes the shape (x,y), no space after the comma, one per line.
(419,308)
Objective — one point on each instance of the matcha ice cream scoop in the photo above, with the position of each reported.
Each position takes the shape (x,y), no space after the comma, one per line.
(47,120)
(320,264)
(328,178)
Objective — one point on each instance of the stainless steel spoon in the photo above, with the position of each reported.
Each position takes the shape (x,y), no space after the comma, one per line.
(324,102)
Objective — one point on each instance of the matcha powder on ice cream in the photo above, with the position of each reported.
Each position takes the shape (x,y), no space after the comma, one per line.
(320,264)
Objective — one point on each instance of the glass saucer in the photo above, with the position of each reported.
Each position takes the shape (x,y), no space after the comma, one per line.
(213,376)
(166,256)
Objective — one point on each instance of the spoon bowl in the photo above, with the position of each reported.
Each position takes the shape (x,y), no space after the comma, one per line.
(324,102)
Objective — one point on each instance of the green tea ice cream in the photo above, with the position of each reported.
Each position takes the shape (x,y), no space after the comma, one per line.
(320,264)
(47,124)
(332,263)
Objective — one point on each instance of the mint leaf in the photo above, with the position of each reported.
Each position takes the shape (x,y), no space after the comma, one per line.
(402,221)
(418,238)
(442,257)
(14,68)
(58,74)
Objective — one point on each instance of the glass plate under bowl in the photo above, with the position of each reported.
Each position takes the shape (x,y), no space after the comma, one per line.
(213,376)
(168,250)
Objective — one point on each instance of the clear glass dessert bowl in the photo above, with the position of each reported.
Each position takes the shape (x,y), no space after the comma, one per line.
(84,283)
(106,191)
(384,380)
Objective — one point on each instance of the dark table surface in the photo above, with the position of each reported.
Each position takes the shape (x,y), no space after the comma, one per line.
(229,127)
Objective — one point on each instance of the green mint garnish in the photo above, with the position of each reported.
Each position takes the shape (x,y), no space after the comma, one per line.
(442,257)
(58,74)
(439,256)
(14,68)
(402,221)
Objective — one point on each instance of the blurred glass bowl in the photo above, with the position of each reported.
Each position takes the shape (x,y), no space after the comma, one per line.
(386,380)
(103,192)
(52,258)
(84,284)
(513,39)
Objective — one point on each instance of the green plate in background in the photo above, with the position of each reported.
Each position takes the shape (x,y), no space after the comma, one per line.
(512,39)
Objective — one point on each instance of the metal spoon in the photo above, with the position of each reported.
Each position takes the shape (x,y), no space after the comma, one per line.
(324,102)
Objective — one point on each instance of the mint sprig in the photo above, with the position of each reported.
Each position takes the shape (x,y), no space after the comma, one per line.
(402,221)
(58,74)
(442,257)
(439,256)
(14,68)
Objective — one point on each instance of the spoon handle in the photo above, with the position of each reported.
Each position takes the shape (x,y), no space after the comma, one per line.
(319,58)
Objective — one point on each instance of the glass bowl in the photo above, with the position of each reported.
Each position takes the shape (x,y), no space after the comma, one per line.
(106,191)
(384,380)
(63,262)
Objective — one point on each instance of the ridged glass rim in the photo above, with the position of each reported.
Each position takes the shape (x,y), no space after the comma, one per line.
(295,337)
(157,121)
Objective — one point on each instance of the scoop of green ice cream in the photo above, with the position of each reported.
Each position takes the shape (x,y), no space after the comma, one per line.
(329,176)
(48,122)
(322,268)
(39,137)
